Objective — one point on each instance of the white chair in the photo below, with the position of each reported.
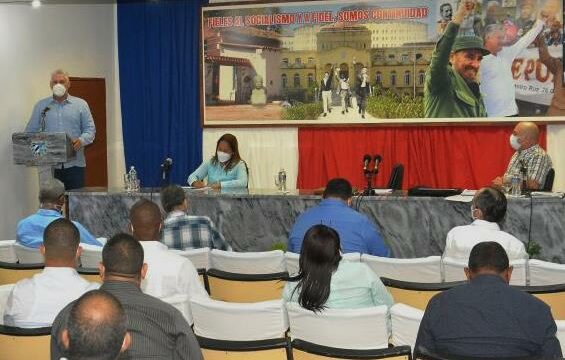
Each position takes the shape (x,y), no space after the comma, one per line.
(421,270)
(291,260)
(28,255)
(198,257)
(91,256)
(239,321)
(359,329)
(182,303)
(561,333)
(453,270)
(546,273)
(267,262)
(7,252)
(5,291)
(405,322)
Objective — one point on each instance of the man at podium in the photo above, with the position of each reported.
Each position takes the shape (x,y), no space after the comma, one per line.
(65,113)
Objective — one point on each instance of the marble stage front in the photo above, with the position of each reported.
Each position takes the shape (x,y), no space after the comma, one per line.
(254,220)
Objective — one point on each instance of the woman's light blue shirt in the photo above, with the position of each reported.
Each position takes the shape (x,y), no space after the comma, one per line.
(354,285)
(236,177)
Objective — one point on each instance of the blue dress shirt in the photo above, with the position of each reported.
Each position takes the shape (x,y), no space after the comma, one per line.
(72,116)
(233,178)
(356,232)
(30,230)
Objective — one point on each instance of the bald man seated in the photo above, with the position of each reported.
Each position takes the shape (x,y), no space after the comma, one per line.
(169,274)
(524,140)
(97,327)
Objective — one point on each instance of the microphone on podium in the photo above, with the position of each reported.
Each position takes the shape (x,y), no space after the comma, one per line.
(366,161)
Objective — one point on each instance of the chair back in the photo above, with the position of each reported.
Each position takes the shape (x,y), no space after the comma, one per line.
(359,329)
(405,322)
(27,255)
(266,262)
(303,350)
(396,177)
(552,295)
(182,304)
(239,321)
(421,270)
(11,273)
(198,257)
(561,333)
(5,291)
(20,343)
(545,273)
(245,288)
(548,184)
(415,294)
(91,256)
(7,251)
(453,270)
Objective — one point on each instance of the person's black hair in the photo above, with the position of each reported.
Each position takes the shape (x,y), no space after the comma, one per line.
(171,197)
(122,255)
(338,188)
(492,203)
(488,255)
(61,239)
(319,258)
(97,326)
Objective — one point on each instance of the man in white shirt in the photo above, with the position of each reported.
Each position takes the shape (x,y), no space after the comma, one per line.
(497,83)
(488,210)
(169,274)
(35,302)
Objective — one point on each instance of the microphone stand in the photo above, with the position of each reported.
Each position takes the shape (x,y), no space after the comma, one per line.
(165,171)
(369,174)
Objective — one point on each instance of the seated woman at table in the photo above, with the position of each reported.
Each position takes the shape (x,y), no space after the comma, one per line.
(224,170)
(323,281)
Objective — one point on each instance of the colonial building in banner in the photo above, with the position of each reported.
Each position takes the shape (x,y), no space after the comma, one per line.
(396,54)
(233,57)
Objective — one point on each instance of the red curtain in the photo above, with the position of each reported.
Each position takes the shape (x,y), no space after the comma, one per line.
(436,156)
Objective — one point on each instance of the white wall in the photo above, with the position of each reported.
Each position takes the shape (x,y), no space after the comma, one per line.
(34,42)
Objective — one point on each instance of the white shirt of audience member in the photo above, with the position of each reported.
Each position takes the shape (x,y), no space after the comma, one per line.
(461,239)
(169,274)
(35,302)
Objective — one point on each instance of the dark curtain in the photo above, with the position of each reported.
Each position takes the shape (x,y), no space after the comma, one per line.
(437,156)
(158,48)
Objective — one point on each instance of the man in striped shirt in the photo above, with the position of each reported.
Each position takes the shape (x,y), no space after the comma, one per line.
(529,154)
(158,330)
(182,231)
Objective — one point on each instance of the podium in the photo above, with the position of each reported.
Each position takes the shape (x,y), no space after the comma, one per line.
(42,150)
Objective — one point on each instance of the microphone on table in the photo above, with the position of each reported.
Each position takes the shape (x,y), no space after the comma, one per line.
(366,161)
(166,167)
(42,120)
(378,160)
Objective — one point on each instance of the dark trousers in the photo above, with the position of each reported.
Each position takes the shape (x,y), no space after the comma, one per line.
(72,177)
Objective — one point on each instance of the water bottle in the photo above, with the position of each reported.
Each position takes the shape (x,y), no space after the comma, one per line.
(516,189)
(282,180)
(134,181)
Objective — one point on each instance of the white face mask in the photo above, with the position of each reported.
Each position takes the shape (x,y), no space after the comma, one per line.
(222,156)
(59,90)
(514,142)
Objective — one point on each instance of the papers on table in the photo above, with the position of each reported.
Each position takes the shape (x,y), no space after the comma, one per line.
(382,191)
(547,194)
(191,188)
(466,196)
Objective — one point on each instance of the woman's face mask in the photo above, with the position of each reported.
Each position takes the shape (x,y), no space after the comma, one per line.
(222,156)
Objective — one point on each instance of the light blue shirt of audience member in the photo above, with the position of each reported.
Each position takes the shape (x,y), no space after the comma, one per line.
(353,285)
(72,116)
(236,177)
(30,230)
(356,232)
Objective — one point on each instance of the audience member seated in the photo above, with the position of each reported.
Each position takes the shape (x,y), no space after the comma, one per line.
(97,328)
(182,231)
(36,301)
(170,274)
(486,317)
(325,282)
(487,210)
(157,329)
(225,170)
(356,231)
(51,200)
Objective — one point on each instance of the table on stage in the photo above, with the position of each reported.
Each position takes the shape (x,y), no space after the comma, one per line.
(255,219)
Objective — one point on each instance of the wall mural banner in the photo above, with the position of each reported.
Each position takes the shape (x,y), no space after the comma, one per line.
(382,62)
